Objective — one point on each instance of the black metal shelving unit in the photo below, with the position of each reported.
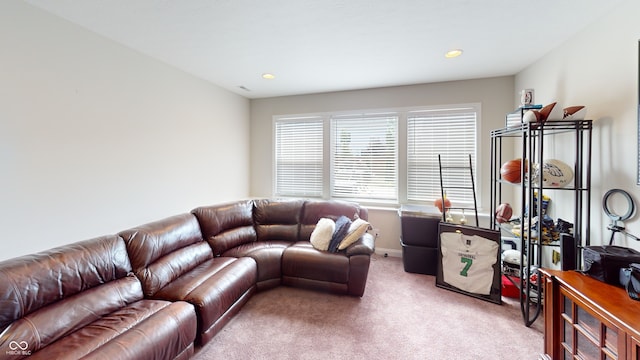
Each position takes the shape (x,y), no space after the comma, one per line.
(532,138)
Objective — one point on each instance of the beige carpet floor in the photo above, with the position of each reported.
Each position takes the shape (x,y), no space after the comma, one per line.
(401,316)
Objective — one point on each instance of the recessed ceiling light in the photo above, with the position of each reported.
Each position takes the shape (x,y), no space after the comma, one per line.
(453,53)
(268,76)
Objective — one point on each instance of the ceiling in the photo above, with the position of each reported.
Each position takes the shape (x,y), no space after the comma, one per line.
(314,46)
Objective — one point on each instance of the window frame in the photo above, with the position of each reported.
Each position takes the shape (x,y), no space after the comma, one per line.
(276,164)
(347,121)
(402,150)
(450,156)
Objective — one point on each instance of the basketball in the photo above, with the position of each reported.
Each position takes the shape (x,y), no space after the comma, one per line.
(438,203)
(503,213)
(510,171)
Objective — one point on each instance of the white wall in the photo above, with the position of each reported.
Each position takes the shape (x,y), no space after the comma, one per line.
(495,94)
(599,68)
(96,138)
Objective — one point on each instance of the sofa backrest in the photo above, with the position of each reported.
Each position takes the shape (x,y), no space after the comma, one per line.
(37,292)
(314,210)
(163,250)
(226,226)
(277,219)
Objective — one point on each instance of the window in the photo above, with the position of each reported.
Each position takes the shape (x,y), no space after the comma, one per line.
(450,133)
(364,157)
(375,157)
(299,157)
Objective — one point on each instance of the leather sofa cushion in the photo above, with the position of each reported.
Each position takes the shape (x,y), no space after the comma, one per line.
(268,257)
(277,219)
(248,249)
(33,282)
(164,250)
(47,325)
(172,266)
(213,287)
(364,246)
(70,301)
(302,260)
(226,226)
(146,329)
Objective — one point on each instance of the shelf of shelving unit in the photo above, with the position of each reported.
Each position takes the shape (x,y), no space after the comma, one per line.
(531,137)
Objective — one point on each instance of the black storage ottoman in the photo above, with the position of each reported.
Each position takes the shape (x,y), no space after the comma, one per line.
(419,259)
(419,239)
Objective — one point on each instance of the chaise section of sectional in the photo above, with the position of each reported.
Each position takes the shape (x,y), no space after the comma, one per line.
(174,263)
(276,233)
(83,301)
(342,272)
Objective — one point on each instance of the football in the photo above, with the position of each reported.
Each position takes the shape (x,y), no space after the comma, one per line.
(531,116)
(556,173)
(512,257)
(555,113)
(574,112)
(503,213)
(542,115)
(548,113)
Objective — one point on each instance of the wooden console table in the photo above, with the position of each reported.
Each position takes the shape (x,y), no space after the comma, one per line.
(588,319)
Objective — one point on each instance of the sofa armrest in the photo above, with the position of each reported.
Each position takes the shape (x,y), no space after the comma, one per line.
(366,245)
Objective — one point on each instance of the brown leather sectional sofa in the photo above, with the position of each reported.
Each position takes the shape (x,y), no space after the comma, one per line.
(159,290)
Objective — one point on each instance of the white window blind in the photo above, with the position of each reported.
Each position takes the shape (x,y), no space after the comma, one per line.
(450,133)
(299,157)
(364,157)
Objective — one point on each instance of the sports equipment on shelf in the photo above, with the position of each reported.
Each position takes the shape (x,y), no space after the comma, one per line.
(438,203)
(542,115)
(503,213)
(510,171)
(574,112)
(556,173)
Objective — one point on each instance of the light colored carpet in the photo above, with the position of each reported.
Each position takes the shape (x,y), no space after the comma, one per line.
(401,316)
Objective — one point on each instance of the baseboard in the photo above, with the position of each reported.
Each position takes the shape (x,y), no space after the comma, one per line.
(389,252)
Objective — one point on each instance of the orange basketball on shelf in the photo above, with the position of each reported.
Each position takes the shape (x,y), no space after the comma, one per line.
(510,171)
(438,203)
(503,213)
